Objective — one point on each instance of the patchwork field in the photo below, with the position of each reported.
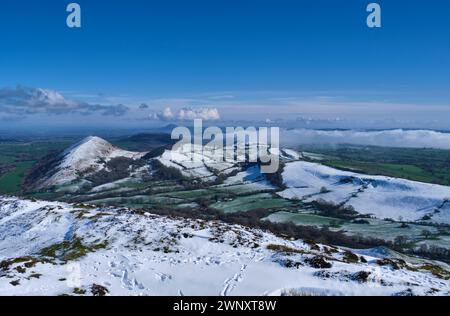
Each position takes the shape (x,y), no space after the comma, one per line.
(418,164)
(387,208)
(371,227)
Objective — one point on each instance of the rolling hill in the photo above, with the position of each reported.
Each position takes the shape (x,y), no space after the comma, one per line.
(52,248)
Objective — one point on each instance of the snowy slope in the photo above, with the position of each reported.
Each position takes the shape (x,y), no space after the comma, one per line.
(381,196)
(86,157)
(384,197)
(51,248)
(70,171)
(198,162)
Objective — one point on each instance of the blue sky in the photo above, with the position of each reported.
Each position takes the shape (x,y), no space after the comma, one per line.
(249,59)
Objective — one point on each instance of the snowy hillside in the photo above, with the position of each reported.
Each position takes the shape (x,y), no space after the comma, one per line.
(70,171)
(381,196)
(201,163)
(82,159)
(50,248)
(96,167)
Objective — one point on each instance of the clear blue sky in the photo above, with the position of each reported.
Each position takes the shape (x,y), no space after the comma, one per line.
(229,53)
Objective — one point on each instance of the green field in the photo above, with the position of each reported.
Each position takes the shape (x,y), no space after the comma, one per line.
(251,202)
(375,228)
(422,164)
(19,157)
(426,165)
(11,182)
(306,219)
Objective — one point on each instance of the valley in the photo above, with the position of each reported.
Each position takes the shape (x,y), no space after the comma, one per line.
(355,209)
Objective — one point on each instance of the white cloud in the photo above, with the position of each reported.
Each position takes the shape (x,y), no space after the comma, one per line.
(167,114)
(188,114)
(206,114)
(25,101)
(385,138)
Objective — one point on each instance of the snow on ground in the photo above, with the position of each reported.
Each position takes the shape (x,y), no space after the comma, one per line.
(190,165)
(89,155)
(112,185)
(384,197)
(51,248)
(198,162)
(442,215)
(252,180)
(251,175)
(290,154)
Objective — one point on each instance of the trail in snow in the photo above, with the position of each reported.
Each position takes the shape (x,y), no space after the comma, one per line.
(144,254)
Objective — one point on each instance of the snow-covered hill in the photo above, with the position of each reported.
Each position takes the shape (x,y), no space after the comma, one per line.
(95,166)
(81,160)
(74,166)
(202,163)
(384,197)
(50,248)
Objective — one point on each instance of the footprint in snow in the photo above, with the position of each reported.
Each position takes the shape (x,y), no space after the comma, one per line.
(231,283)
(162,277)
(130,283)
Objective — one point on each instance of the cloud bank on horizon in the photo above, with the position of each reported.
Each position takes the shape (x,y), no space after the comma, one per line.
(37,107)
(25,102)
(21,102)
(187,114)
(384,138)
